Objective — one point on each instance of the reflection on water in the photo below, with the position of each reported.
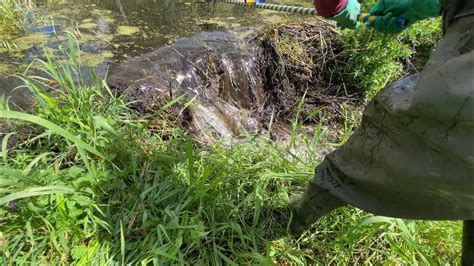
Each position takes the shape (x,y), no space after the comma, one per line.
(125,28)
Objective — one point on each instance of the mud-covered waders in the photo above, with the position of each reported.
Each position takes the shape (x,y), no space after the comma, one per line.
(413,155)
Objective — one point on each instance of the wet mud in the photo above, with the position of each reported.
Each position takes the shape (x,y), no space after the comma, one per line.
(301,60)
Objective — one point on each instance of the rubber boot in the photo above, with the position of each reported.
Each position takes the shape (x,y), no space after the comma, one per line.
(468,244)
(311,206)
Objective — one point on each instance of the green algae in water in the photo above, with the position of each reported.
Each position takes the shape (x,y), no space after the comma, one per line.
(86,38)
(228,22)
(107,54)
(89,25)
(243,34)
(127,30)
(5,69)
(94,59)
(100,12)
(110,20)
(32,40)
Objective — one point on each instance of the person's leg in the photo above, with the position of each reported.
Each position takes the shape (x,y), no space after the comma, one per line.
(468,244)
(408,155)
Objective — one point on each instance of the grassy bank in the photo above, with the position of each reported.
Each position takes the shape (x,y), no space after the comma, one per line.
(85,181)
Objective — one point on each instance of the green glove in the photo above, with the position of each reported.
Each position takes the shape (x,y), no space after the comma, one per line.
(411,10)
(347,18)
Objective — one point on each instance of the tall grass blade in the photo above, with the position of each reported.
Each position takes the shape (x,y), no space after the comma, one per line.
(5,147)
(51,126)
(190,155)
(122,244)
(30,166)
(16,174)
(37,191)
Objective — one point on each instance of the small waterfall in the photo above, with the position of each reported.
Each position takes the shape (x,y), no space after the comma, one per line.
(217,69)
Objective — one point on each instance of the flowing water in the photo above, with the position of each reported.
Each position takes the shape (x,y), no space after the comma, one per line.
(159,48)
(217,71)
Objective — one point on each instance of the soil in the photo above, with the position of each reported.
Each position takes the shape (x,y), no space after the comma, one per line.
(300,60)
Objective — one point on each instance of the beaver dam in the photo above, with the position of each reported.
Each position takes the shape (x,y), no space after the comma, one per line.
(223,84)
(216,70)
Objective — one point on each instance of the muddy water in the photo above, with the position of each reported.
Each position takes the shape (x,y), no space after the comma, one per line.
(159,48)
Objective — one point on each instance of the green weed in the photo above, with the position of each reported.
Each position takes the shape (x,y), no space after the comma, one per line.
(374,60)
(15,14)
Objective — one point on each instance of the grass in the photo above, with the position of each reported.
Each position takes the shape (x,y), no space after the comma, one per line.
(373,59)
(15,14)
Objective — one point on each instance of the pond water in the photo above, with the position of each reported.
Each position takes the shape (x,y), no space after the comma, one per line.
(110,31)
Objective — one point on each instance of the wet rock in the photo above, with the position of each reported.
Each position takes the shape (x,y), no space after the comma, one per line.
(250,124)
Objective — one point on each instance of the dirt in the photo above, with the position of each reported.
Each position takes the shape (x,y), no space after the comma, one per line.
(301,60)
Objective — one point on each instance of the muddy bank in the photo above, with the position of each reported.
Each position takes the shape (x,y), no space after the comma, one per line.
(229,84)
(302,60)
(11,87)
